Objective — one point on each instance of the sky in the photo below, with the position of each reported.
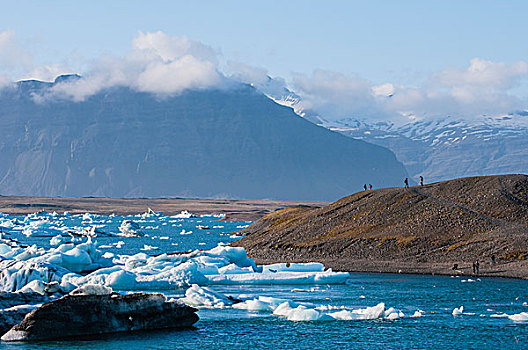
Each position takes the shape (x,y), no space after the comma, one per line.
(436,57)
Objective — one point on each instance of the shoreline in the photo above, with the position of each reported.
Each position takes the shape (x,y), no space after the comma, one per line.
(514,269)
(234,210)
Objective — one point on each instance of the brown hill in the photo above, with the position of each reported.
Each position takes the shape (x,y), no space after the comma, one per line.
(419,229)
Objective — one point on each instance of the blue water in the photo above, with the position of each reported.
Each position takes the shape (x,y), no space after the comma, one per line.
(162,232)
(239,329)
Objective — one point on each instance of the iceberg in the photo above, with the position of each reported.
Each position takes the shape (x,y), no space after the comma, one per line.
(205,297)
(184,214)
(129,228)
(520,317)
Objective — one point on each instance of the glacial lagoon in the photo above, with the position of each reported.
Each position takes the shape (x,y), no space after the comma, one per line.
(293,307)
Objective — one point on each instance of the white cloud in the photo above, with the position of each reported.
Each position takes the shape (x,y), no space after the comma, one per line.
(168,48)
(157,63)
(335,95)
(177,75)
(48,72)
(483,88)
(248,74)
(162,64)
(482,74)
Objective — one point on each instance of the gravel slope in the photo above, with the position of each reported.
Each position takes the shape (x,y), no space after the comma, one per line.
(417,230)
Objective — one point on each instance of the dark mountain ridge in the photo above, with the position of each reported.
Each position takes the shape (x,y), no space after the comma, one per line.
(228,143)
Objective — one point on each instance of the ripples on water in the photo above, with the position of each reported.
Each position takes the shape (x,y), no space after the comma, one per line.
(239,329)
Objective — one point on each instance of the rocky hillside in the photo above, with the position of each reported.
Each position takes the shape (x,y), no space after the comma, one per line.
(217,143)
(416,229)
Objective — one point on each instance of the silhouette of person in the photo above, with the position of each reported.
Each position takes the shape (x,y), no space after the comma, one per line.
(493,259)
(421,180)
(477,266)
(365,187)
(370,186)
(406,182)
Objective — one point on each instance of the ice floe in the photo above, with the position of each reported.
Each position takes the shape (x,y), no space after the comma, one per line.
(293,311)
(458,311)
(183,215)
(130,228)
(72,265)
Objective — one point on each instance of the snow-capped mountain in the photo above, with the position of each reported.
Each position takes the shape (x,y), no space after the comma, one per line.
(446,148)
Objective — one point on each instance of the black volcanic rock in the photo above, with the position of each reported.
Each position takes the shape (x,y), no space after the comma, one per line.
(84,315)
(233,143)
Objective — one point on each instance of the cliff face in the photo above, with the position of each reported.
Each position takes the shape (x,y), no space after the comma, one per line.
(460,220)
(234,143)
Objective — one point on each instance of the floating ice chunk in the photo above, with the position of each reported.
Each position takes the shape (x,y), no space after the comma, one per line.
(150,213)
(302,313)
(520,317)
(15,275)
(284,308)
(58,240)
(183,232)
(235,255)
(92,289)
(40,287)
(371,313)
(256,278)
(294,267)
(503,315)
(5,249)
(234,269)
(149,247)
(201,296)
(254,305)
(417,313)
(129,228)
(183,215)
(89,217)
(458,311)
(41,228)
(122,280)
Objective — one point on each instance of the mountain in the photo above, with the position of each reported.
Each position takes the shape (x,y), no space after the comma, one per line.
(447,148)
(218,143)
(417,229)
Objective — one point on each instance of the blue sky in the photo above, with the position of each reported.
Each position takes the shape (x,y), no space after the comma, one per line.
(398,42)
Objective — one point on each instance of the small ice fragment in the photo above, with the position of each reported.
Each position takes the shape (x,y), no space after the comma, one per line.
(149,247)
(458,311)
(520,317)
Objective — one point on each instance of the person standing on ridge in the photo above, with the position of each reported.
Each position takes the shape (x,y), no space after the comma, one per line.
(370,186)
(406,182)
(421,180)
(365,187)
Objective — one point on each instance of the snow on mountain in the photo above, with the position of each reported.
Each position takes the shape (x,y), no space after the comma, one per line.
(445,148)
